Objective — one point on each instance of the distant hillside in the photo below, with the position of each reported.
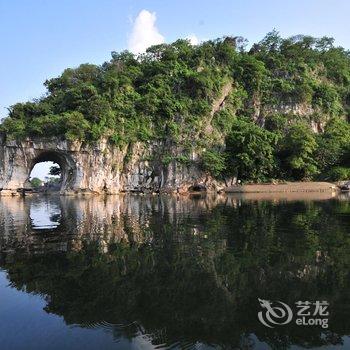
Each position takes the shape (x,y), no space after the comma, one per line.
(279,110)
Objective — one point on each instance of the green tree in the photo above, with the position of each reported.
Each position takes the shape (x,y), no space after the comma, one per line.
(76,126)
(214,162)
(333,143)
(36,182)
(55,170)
(250,151)
(297,154)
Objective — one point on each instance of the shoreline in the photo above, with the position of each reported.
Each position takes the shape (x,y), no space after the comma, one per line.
(288,187)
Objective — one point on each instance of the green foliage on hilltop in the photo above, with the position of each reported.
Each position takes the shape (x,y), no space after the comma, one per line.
(163,93)
(277,90)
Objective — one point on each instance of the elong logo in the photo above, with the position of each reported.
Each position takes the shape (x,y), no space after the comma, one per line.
(277,313)
(274,315)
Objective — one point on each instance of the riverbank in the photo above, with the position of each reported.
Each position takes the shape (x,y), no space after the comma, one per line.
(284,187)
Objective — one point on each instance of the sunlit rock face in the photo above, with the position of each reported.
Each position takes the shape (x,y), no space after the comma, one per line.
(84,168)
(99,168)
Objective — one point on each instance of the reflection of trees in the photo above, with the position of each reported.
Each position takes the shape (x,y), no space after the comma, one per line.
(198,278)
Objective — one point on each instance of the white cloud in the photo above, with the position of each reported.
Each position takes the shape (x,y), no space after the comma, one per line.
(193,39)
(144,32)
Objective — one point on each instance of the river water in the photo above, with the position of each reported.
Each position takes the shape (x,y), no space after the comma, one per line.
(145,272)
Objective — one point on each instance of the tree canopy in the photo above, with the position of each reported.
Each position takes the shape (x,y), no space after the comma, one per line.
(279,89)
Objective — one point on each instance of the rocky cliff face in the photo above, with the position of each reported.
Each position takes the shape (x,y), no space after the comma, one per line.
(297,109)
(99,168)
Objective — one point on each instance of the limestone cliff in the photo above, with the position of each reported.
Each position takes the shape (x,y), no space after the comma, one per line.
(99,168)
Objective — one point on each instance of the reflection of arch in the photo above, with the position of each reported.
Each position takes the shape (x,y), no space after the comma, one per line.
(45,214)
(64,160)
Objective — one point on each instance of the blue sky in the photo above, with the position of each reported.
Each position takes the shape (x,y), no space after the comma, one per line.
(40,38)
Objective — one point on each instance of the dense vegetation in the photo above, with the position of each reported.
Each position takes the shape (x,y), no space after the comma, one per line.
(279,89)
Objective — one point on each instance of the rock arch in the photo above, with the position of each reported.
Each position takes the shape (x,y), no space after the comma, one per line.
(99,167)
(65,162)
(85,168)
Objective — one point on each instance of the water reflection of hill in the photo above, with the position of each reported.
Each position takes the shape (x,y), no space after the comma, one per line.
(184,270)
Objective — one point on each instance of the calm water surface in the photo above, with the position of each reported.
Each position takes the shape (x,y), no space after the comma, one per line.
(138,272)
